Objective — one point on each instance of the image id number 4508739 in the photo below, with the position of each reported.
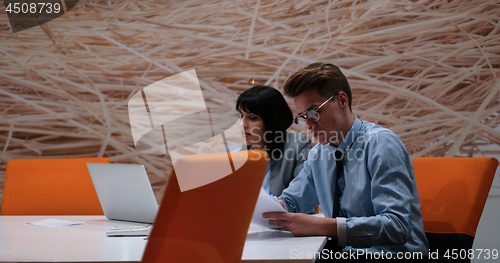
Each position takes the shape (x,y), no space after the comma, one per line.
(33,8)
(471,254)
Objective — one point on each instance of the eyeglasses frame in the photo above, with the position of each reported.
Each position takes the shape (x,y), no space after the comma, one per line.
(304,114)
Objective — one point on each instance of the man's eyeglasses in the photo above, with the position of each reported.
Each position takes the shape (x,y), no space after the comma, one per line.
(312,114)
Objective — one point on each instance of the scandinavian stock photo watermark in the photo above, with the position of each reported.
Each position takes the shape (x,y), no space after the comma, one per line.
(173,116)
(365,254)
(289,153)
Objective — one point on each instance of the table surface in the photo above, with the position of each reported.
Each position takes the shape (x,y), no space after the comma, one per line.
(88,242)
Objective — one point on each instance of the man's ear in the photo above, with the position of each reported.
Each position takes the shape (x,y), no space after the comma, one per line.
(344,101)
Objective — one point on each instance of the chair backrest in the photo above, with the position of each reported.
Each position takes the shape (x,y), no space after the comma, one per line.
(50,187)
(208,223)
(453,192)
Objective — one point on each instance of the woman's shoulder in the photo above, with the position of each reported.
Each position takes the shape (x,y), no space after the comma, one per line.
(297,139)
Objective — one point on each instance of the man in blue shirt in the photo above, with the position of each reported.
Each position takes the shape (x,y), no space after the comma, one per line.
(359,173)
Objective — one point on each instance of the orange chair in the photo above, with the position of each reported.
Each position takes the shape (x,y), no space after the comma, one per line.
(453,192)
(50,187)
(208,223)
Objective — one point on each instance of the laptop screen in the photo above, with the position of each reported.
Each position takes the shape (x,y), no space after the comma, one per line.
(124,191)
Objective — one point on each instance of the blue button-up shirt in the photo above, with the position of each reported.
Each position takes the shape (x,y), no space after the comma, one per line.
(379,196)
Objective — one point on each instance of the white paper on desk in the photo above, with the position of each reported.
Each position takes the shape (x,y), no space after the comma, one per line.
(265,203)
(50,222)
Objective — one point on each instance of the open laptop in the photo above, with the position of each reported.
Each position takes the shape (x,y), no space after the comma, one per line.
(124,191)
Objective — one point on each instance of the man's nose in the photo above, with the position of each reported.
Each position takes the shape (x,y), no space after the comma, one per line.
(310,124)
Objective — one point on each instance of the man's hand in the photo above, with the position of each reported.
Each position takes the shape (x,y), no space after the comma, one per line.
(303,224)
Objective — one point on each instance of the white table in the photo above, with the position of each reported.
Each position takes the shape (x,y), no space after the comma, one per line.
(89,243)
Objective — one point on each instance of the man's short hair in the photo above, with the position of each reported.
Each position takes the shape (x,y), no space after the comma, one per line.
(325,78)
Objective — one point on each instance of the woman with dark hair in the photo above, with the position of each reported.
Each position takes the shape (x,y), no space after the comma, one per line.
(266,117)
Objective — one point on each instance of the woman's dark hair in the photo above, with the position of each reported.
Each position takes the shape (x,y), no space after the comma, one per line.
(269,104)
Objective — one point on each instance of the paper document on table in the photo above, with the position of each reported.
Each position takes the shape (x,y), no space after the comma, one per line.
(50,222)
(265,203)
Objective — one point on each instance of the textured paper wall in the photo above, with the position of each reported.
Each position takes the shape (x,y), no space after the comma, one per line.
(428,70)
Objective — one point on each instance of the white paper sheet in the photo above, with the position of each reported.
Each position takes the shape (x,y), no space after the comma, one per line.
(50,222)
(265,203)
